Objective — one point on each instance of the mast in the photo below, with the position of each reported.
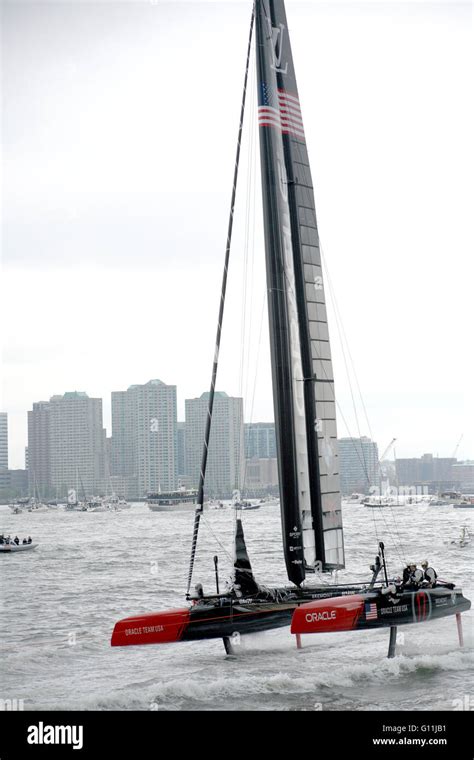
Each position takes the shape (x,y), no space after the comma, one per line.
(303,382)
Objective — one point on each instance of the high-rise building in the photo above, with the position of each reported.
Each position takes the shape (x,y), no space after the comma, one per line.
(261,475)
(181,453)
(144,436)
(226,447)
(39,460)
(358,465)
(463,476)
(427,470)
(76,444)
(3,441)
(260,441)
(66,446)
(13,483)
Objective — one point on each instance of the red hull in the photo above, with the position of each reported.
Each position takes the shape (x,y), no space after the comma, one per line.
(154,628)
(328,615)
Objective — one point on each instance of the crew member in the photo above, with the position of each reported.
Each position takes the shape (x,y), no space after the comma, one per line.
(412,577)
(197,594)
(429,574)
(408,573)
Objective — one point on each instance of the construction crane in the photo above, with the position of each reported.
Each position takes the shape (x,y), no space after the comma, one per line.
(389,447)
(453,456)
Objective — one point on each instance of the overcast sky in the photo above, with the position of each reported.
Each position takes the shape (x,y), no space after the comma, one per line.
(119,124)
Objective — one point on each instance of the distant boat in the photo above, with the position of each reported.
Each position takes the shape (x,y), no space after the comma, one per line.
(12,547)
(451,498)
(382,501)
(217,504)
(270,501)
(355,498)
(239,503)
(172,501)
(244,504)
(31,505)
(463,540)
(115,503)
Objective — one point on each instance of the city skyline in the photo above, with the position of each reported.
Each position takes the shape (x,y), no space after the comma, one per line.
(114,219)
(18,461)
(67,446)
(261,428)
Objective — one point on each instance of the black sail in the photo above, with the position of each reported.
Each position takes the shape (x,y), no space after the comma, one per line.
(303,382)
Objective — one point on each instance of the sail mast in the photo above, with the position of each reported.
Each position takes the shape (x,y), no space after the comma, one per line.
(303,383)
(207,434)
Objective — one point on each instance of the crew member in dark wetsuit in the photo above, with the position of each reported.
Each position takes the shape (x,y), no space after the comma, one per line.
(408,573)
(429,574)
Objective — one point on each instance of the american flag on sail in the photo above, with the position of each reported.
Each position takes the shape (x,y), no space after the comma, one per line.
(280,109)
(371,611)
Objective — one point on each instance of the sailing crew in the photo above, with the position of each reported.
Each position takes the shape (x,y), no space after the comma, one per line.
(429,574)
(29,540)
(412,577)
(16,540)
(197,594)
(408,573)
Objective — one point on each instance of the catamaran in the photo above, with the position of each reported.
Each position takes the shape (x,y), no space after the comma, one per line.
(304,407)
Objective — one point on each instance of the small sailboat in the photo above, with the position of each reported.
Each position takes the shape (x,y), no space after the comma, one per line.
(463,540)
(239,503)
(305,413)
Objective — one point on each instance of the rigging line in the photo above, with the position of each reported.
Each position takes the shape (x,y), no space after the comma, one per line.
(216,537)
(356,416)
(336,308)
(344,339)
(252,263)
(257,359)
(243,310)
(245,273)
(341,334)
(398,544)
(202,475)
(251,227)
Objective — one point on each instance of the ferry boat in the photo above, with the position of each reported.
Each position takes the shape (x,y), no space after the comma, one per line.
(172,501)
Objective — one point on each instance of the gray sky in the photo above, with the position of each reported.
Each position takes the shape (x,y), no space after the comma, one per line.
(118,133)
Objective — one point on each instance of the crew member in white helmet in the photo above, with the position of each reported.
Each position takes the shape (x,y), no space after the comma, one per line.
(429,574)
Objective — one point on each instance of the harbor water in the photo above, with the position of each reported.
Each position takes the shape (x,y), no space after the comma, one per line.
(60,602)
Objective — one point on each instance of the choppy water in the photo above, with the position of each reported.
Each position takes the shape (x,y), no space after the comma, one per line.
(59,605)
